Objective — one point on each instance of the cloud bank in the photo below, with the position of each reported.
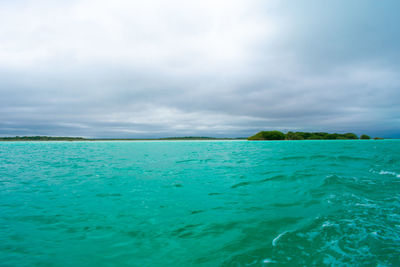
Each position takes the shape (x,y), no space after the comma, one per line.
(174,68)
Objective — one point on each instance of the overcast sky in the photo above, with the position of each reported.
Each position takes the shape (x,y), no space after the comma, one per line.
(158,68)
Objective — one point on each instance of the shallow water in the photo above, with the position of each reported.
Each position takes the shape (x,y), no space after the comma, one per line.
(208,203)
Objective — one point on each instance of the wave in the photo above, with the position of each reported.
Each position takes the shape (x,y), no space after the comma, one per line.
(389,173)
(275,240)
(383,172)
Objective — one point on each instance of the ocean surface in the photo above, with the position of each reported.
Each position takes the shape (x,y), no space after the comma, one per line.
(200,203)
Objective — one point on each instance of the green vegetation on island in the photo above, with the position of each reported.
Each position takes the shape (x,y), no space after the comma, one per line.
(277,135)
(263,135)
(268,135)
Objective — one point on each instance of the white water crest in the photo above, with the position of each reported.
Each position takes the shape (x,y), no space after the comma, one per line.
(277,238)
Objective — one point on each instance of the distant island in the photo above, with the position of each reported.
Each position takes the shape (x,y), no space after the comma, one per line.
(263,135)
(60,138)
(41,138)
(277,135)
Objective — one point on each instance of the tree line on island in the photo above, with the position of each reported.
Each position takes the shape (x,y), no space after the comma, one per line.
(277,135)
(263,135)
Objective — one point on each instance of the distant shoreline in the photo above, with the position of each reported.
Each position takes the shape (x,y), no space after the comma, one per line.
(172,140)
(260,136)
(77,139)
(278,135)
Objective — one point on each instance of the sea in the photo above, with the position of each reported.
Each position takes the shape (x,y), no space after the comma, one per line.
(200,203)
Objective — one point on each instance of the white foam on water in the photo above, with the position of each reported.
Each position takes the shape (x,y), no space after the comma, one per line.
(268,261)
(277,238)
(327,224)
(390,173)
(382,172)
(366,205)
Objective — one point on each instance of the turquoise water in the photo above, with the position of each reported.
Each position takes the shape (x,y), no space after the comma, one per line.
(208,203)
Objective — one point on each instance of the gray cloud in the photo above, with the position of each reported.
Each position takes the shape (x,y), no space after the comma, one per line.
(232,68)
